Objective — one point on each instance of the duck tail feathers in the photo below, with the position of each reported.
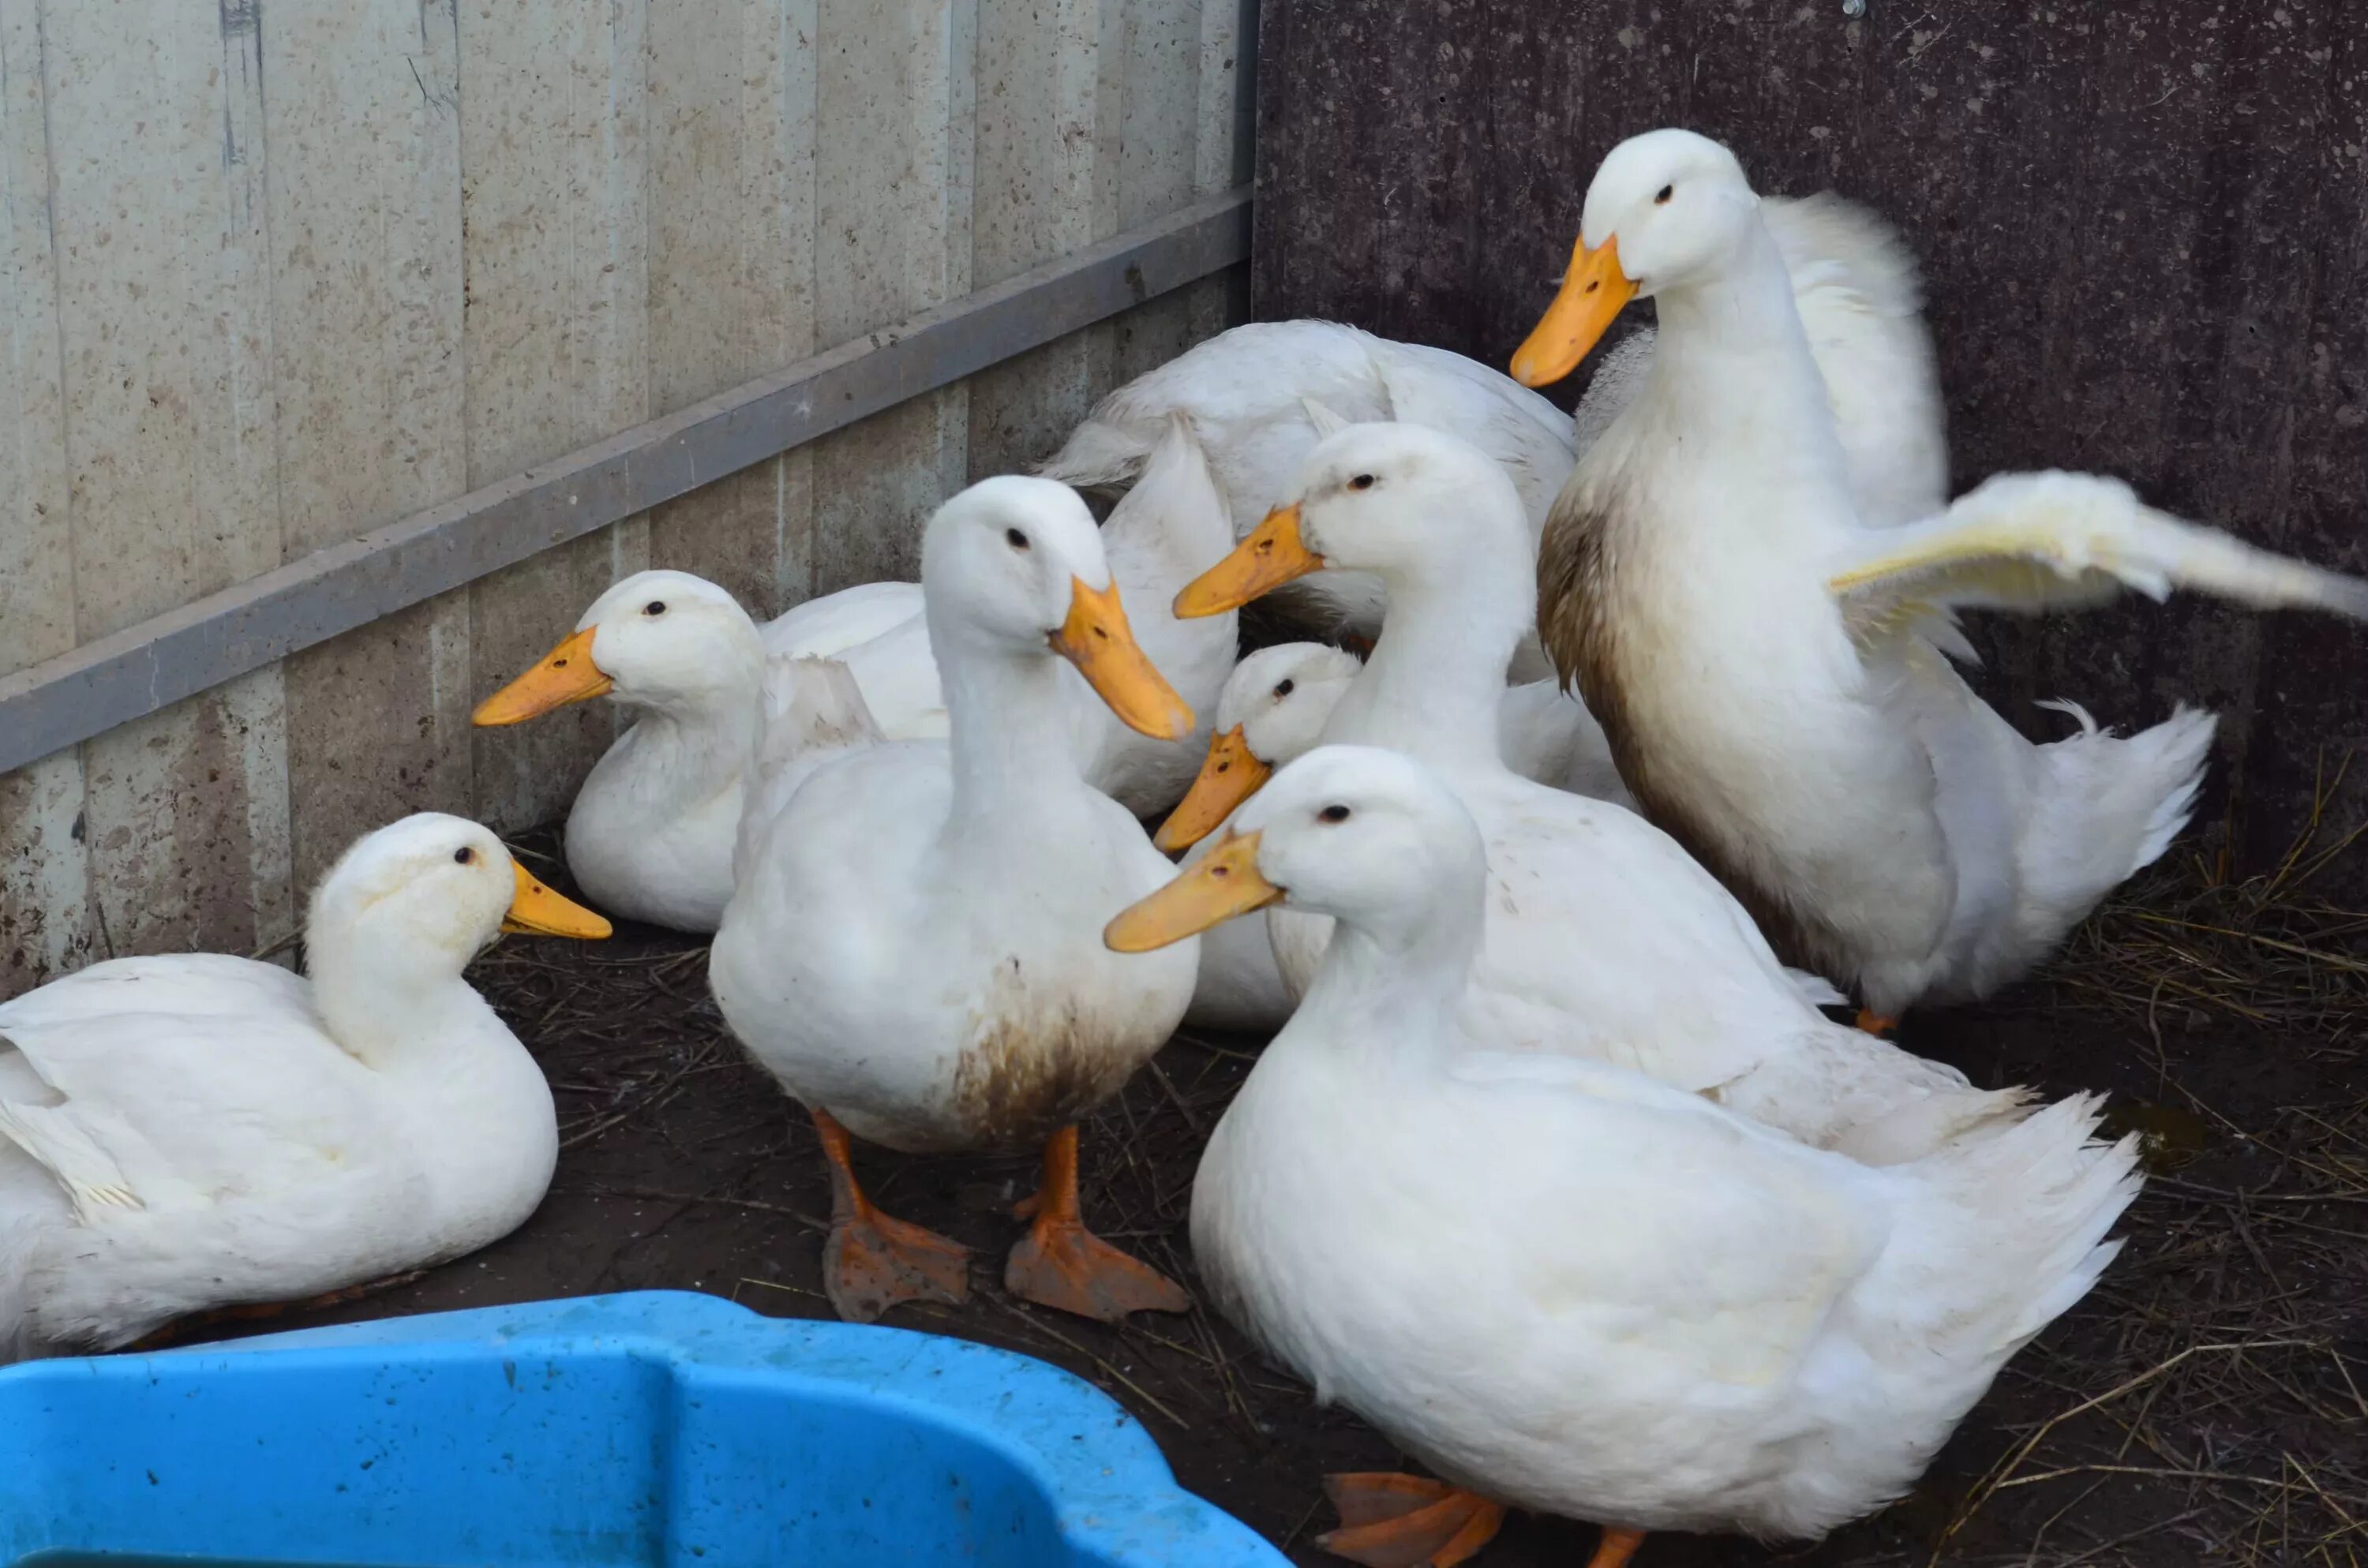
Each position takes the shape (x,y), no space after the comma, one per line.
(1099,455)
(2052,1189)
(2008,1232)
(2103,808)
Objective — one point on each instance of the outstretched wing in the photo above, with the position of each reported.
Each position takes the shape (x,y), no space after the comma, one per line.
(2055,540)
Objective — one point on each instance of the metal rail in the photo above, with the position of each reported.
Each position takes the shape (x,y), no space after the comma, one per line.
(167,658)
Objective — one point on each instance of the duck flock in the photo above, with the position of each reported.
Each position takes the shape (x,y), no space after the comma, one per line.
(1556,1172)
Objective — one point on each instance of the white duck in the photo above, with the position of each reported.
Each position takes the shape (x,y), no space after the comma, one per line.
(189,1132)
(1260,395)
(1600,1297)
(1274,706)
(1603,936)
(915,951)
(1272,710)
(651,833)
(1771,669)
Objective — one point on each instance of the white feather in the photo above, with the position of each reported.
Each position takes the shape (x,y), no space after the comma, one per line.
(1616,1299)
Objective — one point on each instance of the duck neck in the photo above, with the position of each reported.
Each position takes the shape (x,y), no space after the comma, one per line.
(396,1007)
(1436,678)
(1396,989)
(690,750)
(1007,716)
(1733,356)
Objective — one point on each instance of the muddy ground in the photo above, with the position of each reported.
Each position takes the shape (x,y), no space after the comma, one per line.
(2204,1406)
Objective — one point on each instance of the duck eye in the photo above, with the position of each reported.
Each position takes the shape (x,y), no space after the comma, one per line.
(1363,482)
(1334,813)
(1014,538)
(465,856)
(655,607)
(1667,192)
(1287,687)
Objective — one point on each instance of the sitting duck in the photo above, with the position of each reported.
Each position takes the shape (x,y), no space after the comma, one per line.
(190,1132)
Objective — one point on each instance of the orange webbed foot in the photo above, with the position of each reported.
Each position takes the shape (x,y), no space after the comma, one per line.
(1878,1024)
(1070,1267)
(1061,1263)
(1407,1521)
(874,1261)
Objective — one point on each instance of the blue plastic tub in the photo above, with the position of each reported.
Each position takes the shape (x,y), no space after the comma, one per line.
(638,1429)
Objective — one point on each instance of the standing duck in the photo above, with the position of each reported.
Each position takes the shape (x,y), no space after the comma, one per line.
(1603,938)
(1562,1286)
(193,1132)
(914,950)
(1774,673)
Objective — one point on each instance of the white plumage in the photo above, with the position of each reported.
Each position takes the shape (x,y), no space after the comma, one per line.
(185,1132)
(1603,938)
(1249,392)
(651,834)
(1570,1288)
(1715,576)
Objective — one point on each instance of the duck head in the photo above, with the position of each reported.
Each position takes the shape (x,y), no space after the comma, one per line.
(439,887)
(1404,502)
(398,919)
(1271,711)
(1370,836)
(1013,566)
(665,641)
(1665,209)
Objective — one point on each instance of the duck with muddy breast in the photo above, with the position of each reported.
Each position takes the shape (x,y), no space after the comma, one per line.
(913,949)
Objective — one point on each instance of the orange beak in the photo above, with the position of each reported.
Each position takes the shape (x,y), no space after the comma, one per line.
(536,911)
(1097,639)
(565,674)
(1271,556)
(1225,883)
(1228,776)
(1593,291)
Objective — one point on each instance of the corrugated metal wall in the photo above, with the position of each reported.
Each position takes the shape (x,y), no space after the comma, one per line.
(273,275)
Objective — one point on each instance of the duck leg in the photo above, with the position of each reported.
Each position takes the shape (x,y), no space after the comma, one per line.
(1877,1024)
(1616,1548)
(1061,1263)
(874,1261)
(1408,1521)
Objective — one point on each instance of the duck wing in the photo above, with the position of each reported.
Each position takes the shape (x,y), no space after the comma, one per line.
(2031,542)
(168,1082)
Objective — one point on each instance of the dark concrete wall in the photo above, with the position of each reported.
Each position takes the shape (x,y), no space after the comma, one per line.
(2144,225)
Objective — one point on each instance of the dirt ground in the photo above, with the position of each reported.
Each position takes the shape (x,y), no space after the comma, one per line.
(2205,1405)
